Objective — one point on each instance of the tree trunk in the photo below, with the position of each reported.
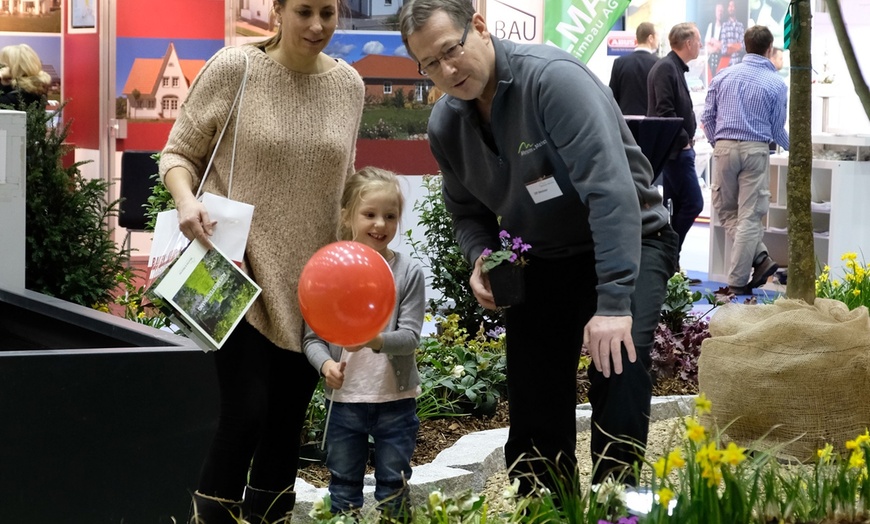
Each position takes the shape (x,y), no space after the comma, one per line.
(801,254)
(861,88)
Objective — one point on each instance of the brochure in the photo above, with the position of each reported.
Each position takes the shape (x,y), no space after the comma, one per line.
(206,294)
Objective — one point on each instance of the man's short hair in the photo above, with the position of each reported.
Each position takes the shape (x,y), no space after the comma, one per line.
(758,39)
(644,31)
(680,34)
(415,13)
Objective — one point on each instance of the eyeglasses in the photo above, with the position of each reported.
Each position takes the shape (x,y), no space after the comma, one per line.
(452,53)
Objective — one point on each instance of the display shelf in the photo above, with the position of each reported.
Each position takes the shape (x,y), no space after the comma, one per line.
(841,218)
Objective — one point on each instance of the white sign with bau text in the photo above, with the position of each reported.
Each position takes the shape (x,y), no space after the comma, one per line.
(516,20)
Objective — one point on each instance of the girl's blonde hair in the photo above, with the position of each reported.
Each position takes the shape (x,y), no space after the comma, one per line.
(23,69)
(358,185)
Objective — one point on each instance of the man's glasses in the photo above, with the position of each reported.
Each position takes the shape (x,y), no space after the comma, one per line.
(433,67)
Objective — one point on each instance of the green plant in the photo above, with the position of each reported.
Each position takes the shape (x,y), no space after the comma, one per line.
(450,271)
(465,372)
(69,250)
(854,290)
(137,306)
(315,416)
(679,301)
(160,198)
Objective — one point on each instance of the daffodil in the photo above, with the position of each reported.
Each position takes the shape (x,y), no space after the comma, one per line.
(733,454)
(703,405)
(825,454)
(856,460)
(694,431)
(665,496)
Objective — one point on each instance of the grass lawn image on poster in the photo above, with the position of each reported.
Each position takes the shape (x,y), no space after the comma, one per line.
(208,292)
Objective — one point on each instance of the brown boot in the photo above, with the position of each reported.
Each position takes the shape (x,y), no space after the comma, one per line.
(269,507)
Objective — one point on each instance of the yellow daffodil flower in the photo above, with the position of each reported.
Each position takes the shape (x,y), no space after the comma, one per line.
(856,460)
(703,405)
(825,454)
(694,431)
(665,496)
(733,454)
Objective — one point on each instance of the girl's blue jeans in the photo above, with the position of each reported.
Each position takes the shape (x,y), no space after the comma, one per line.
(393,425)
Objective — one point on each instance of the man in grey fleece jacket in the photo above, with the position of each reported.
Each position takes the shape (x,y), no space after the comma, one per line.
(530,141)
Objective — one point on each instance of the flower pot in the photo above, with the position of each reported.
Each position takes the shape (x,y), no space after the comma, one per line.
(507,284)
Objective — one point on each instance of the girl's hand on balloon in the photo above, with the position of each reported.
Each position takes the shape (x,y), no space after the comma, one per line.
(376,344)
(333,372)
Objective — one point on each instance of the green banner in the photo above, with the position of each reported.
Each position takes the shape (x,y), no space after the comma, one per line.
(579,26)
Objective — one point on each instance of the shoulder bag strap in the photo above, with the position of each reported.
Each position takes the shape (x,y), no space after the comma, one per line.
(237,105)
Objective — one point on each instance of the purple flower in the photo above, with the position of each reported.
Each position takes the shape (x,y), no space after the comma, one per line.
(504,234)
(517,243)
(486,252)
(627,520)
(496,332)
(513,258)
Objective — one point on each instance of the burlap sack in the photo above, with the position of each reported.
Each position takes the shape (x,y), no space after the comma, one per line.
(798,374)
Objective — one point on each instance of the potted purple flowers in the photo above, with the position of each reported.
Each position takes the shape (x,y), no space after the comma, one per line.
(505,270)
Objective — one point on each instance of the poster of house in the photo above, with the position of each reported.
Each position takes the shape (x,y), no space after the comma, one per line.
(155,74)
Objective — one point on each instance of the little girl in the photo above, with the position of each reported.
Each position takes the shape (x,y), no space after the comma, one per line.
(373,387)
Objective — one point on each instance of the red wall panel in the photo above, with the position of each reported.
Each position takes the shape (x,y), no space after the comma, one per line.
(81,88)
(176,18)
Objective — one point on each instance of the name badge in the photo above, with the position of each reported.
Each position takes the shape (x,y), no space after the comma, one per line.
(544,189)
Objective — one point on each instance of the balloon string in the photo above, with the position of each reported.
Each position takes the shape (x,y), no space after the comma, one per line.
(329,410)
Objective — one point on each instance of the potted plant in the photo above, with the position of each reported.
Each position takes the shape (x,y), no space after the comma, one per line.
(505,270)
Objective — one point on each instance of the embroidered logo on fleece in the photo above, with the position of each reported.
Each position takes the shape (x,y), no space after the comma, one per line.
(526,148)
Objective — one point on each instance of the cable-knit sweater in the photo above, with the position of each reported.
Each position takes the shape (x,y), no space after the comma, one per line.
(295,147)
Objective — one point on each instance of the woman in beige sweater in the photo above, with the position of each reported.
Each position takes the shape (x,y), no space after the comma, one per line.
(295,146)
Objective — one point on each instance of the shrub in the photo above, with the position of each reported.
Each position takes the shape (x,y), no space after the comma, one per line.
(69,250)
(467,373)
(449,269)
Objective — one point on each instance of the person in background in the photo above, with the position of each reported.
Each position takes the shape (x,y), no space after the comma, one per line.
(629,73)
(745,110)
(776,58)
(372,388)
(732,39)
(295,147)
(529,141)
(669,97)
(22,80)
(712,42)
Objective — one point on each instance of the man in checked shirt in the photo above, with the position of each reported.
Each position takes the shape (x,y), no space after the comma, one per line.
(745,111)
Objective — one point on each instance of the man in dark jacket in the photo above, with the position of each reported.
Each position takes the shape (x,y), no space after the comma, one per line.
(629,73)
(669,96)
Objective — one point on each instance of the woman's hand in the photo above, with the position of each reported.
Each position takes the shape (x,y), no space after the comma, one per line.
(193,220)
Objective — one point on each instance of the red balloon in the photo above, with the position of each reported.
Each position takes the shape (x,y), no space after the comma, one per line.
(347,293)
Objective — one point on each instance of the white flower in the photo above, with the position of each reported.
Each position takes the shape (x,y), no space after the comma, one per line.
(458,371)
(468,503)
(511,491)
(317,508)
(435,499)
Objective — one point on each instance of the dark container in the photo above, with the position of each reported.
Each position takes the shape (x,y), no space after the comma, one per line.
(102,420)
